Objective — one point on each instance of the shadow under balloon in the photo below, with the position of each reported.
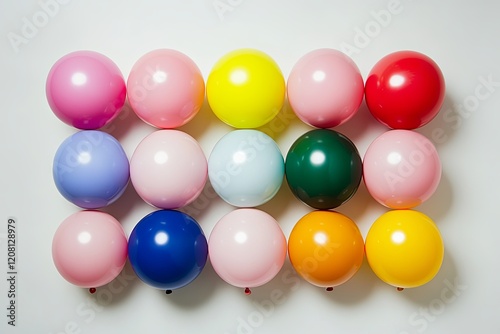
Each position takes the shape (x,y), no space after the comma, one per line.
(278,290)
(287,282)
(123,123)
(440,202)
(116,291)
(129,202)
(281,202)
(284,121)
(445,124)
(447,282)
(198,292)
(356,290)
(359,205)
(201,208)
(361,123)
(204,121)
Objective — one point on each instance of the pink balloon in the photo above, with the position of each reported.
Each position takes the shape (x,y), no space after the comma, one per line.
(166,88)
(325,88)
(401,169)
(85,89)
(89,248)
(168,169)
(247,248)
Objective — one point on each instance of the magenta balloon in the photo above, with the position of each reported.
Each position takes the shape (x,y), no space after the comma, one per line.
(247,248)
(85,89)
(89,248)
(325,88)
(165,88)
(401,169)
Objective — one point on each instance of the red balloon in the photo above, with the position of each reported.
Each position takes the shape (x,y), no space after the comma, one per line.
(405,90)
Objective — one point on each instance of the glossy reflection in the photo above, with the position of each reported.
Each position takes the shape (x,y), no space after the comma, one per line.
(405,90)
(161,238)
(401,169)
(165,88)
(397,81)
(326,248)
(168,169)
(246,168)
(247,248)
(246,88)
(404,248)
(323,169)
(325,88)
(84,237)
(167,249)
(85,89)
(89,248)
(91,169)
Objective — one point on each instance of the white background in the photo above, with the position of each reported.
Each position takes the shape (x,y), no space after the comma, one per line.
(461,36)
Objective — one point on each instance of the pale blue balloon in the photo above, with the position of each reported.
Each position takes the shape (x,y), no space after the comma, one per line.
(246,168)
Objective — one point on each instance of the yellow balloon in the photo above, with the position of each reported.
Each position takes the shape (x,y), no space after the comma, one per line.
(404,248)
(246,88)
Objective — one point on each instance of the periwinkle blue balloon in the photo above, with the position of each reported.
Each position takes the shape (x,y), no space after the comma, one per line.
(91,169)
(167,249)
(246,168)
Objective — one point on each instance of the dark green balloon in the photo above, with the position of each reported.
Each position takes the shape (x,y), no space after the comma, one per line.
(323,168)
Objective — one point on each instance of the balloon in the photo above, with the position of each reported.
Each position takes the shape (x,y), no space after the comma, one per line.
(165,88)
(326,248)
(323,168)
(246,168)
(167,249)
(247,248)
(405,90)
(90,169)
(168,169)
(246,88)
(85,89)
(404,248)
(325,88)
(89,249)
(401,169)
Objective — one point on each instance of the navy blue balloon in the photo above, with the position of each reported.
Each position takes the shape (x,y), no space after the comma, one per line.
(167,249)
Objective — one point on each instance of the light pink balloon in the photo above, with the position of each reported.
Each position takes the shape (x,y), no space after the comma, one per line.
(168,169)
(401,169)
(325,88)
(247,248)
(89,249)
(165,88)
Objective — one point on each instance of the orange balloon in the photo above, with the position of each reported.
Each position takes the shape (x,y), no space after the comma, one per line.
(326,248)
